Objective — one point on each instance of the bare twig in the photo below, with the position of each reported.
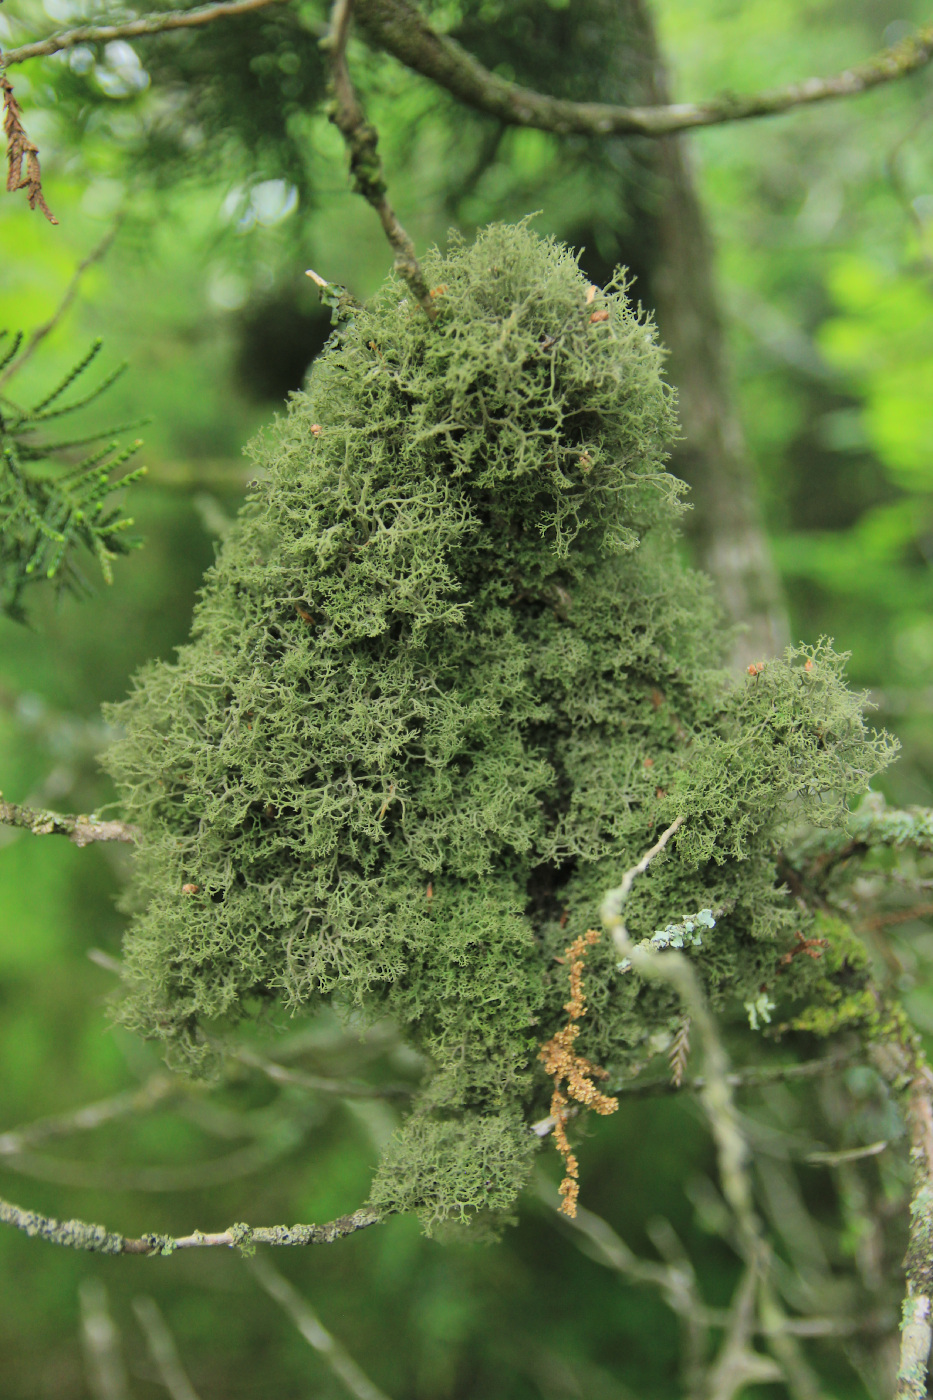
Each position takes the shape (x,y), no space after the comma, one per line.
(106,1372)
(318,1084)
(130,29)
(81,830)
(356,1382)
(738,1365)
(754,1077)
(20,149)
(849,1154)
(162,1349)
(40,333)
(361,140)
(97,1239)
(155,1091)
(404,32)
(195,1176)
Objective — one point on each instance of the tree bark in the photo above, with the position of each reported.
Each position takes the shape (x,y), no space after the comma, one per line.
(607,51)
(726,526)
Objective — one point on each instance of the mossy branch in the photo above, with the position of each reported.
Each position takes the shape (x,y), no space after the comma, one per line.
(405,33)
(81,830)
(402,31)
(361,139)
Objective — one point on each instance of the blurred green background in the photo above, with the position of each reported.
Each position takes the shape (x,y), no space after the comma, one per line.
(227,182)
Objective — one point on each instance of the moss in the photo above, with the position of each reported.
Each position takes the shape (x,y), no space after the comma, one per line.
(447,678)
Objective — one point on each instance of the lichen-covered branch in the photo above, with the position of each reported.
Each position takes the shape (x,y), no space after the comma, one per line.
(97,1239)
(81,830)
(405,33)
(361,139)
(917,1314)
(716,1093)
(156,23)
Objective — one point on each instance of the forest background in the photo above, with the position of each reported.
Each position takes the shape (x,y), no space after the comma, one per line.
(822,222)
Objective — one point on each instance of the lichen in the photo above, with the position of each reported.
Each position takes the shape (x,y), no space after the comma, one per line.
(447,679)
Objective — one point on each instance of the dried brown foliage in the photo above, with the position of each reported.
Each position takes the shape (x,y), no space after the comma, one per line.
(566,1067)
(19,151)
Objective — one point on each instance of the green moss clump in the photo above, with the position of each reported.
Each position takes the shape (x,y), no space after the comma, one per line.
(447,679)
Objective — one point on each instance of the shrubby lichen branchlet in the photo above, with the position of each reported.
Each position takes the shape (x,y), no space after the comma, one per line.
(447,678)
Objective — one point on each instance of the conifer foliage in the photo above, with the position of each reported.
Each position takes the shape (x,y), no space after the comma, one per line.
(51,508)
(447,679)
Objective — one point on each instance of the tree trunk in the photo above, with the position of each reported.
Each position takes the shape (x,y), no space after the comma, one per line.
(606,50)
(726,526)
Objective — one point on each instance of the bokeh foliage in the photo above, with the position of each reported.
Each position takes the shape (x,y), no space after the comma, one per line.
(825,243)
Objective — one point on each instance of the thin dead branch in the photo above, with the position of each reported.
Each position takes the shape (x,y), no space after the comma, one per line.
(103,1360)
(156,1090)
(354,1380)
(161,1347)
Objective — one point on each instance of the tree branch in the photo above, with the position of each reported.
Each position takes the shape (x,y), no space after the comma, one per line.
(97,1239)
(314,1332)
(400,29)
(162,1349)
(917,1314)
(156,1090)
(361,139)
(81,830)
(130,29)
(755,1076)
(40,333)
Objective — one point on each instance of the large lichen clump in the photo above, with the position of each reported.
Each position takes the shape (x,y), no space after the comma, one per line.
(447,679)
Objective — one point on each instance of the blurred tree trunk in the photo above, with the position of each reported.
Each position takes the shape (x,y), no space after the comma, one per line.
(726,526)
(607,50)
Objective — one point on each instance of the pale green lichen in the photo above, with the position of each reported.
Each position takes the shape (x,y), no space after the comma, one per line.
(447,679)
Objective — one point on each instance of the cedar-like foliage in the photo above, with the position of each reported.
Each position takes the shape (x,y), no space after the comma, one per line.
(51,505)
(448,678)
